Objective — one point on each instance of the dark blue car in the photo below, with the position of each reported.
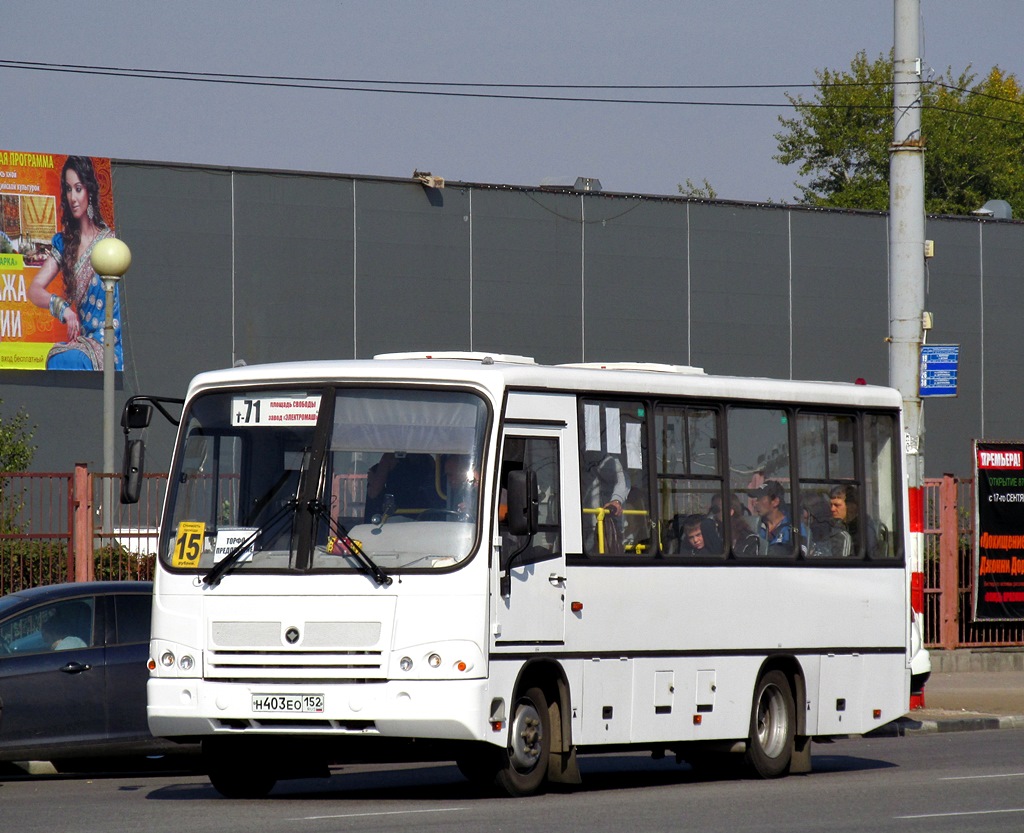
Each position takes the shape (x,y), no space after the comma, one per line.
(73,673)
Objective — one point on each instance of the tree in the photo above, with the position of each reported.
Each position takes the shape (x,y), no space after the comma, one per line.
(16,449)
(701,192)
(16,452)
(973,135)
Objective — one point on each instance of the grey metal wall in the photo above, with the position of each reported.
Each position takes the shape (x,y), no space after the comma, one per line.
(268,266)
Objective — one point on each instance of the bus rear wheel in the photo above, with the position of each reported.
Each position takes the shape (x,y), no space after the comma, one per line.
(772,726)
(524,766)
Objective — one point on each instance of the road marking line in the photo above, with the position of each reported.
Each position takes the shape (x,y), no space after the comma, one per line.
(387,813)
(971,813)
(975,777)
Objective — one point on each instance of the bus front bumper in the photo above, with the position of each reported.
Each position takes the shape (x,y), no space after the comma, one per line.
(449,709)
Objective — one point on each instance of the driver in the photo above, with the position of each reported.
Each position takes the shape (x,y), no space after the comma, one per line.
(59,631)
(407,478)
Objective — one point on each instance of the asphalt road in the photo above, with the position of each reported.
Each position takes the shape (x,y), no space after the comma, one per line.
(958,781)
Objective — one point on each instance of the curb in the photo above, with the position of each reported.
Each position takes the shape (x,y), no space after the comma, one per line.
(906,726)
(976,660)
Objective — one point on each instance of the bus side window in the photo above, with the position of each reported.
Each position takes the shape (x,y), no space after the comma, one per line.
(540,455)
(614,481)
(761,474)
(689,481)
(826,450)
(881,486)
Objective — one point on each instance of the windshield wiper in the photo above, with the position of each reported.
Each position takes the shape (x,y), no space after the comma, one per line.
(319,510)
(222,566)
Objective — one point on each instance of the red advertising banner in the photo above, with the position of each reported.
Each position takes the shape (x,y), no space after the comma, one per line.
(53,210)
(999,527)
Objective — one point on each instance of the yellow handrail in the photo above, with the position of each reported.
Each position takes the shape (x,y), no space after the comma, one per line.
(600,512)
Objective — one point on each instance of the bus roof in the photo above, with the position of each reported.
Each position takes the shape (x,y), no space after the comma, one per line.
(497,373)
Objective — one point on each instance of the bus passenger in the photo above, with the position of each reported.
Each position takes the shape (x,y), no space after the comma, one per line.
(693,542)
(775,527)
(605,486)
(846,512)
(712,526)
(716,516)
(698,535)
(743,540)
(821,535)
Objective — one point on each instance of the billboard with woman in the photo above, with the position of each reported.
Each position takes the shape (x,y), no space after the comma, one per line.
(53,210)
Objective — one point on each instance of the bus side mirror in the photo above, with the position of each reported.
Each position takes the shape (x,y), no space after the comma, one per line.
(136,415)
(523,500)
(131,480)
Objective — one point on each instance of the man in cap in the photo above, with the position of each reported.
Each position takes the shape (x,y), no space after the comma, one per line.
(774,527)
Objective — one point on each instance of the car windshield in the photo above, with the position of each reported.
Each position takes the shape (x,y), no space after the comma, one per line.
(364,479)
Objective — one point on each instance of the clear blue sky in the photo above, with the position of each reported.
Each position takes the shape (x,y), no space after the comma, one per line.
(630,147)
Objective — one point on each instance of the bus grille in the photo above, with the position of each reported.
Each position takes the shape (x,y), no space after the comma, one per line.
(324,651)
(294,665)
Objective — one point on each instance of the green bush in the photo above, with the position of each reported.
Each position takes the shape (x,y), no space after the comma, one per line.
(26,562)
(16,453)
(31,563)
(116,563)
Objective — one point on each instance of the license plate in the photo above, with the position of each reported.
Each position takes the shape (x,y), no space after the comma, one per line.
(288,703)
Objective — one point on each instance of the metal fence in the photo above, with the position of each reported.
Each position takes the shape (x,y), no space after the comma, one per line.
(53,528)
(36,523)
(949,572)
(134,527)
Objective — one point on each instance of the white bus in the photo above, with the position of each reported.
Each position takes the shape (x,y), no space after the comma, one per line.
(482,559)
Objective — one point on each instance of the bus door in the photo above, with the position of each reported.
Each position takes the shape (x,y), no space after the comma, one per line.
(530,603)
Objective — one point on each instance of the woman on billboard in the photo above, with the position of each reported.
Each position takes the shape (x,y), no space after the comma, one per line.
(80,308)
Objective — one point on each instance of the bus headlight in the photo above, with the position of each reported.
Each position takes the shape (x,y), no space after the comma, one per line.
(174,661)
(441,660)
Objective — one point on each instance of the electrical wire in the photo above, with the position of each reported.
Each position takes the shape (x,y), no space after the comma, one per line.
(438,88)
(228,77)
(462,89)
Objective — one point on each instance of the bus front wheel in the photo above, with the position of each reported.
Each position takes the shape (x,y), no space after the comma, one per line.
(772,726)
(523,768)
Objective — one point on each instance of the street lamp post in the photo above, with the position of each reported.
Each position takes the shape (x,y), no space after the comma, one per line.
(110,259)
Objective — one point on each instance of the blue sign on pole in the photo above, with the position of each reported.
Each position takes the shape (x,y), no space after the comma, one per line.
(939,365)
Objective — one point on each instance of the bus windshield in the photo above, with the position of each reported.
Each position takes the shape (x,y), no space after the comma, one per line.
(326,479)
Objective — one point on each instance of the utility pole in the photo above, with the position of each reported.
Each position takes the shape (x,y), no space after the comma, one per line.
(906,269)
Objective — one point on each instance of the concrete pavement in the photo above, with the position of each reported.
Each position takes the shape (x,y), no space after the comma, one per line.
(968,691)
